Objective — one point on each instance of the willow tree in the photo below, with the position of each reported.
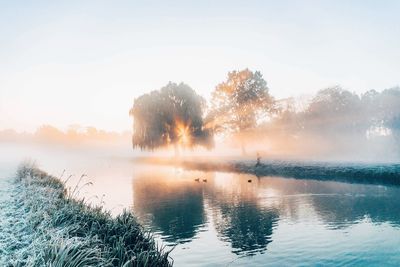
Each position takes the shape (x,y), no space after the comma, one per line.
(172,115)
(239,103)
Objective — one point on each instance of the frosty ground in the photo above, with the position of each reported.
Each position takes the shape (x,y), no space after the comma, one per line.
(42,223)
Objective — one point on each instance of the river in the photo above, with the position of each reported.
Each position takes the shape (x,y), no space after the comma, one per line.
(228,219)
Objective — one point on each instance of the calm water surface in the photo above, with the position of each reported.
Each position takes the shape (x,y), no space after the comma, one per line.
(227,221)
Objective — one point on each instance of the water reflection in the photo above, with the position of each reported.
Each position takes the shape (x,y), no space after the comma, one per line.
(245,214)
(170,204)
(238,216)
(378,204)
(279,221)
(246,226)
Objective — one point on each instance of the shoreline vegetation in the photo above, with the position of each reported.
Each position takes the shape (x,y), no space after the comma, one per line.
(361,173)
(54,228)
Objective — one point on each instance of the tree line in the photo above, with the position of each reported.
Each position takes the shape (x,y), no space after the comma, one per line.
(242,108)
(73,135)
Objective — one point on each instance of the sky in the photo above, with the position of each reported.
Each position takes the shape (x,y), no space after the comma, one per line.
(84,62)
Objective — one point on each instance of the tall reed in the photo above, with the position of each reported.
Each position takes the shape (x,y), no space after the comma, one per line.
(70,232)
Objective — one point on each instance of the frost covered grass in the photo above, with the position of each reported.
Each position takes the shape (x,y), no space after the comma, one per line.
(48,226)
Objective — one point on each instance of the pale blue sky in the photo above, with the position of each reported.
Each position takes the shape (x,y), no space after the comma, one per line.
(65,62)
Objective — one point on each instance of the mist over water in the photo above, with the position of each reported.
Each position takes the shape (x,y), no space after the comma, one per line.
(280,192)
(229,220)
(335,124)
(264,133)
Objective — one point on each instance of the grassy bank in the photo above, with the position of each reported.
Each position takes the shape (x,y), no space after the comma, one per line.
(380,174)
(65,231)
(363,173)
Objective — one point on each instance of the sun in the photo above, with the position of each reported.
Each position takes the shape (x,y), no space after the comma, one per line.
(183,133)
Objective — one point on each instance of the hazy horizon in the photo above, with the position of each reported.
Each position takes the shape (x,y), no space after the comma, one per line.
(84,63)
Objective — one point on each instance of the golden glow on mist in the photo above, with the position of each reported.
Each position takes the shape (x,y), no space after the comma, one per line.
(183,133)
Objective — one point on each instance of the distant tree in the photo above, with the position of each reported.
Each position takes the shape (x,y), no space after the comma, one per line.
(335,111)
(383,110)
(387,105)
(48,133)
(240,102)
(9,135)
(172,115)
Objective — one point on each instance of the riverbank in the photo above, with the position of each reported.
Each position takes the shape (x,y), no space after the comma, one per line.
(44,224)
(362,173)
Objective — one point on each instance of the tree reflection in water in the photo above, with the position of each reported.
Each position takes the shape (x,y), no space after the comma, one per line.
(171,205)
(238,216)
(244,214)
(246,226)
(380,204)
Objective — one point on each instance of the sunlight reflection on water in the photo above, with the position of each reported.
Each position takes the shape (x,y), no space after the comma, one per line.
(228,220)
